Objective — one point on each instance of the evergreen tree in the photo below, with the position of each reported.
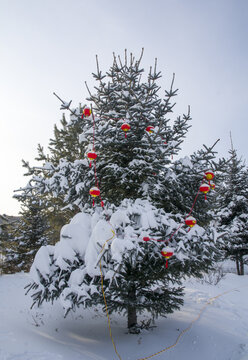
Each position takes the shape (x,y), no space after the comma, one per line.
(109,244)
(65,144)
(3,239)
(233,215)
(27,237)
(8,226)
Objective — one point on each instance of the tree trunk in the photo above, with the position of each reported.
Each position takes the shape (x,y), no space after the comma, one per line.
(237,264)
(241,265)
(132,315)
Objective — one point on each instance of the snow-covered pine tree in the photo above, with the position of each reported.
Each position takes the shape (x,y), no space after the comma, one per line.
(108,243)
(232,218)
(64,145)
(5,230)
(27,236)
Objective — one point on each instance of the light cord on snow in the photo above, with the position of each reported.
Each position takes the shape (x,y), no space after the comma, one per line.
(104,297)
(209,302)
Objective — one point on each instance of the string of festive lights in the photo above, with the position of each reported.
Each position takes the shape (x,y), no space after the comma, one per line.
(95,192)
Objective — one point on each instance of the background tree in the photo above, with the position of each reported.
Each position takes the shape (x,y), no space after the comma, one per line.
(233,214)
(8,225)
(26,237)
(64,145)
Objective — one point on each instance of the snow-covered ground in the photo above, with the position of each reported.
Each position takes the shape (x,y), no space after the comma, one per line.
(220,333)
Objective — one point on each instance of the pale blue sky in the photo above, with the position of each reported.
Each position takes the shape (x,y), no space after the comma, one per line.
(50,45)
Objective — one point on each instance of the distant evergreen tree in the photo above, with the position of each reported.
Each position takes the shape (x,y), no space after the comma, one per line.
(131,173)
(3,241)
(64,145)
(8,226)
(232,217)
(27,237)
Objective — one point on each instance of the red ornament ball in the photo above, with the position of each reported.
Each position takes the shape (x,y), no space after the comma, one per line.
(150,129)
(190,221)
(167,252)
(125,127)
(86,112)
(146,238)
(204,188)
(91,155)
(94,192)
(209,175)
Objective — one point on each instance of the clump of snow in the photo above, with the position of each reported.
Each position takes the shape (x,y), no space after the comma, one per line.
(111,236)
(87,236)
(42,263)
(101,233)
(186,162)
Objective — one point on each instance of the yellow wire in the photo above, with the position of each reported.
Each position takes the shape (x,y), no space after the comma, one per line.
(189,327)
(104,297)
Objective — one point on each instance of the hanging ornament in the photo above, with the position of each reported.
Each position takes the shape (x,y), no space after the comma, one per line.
(150,129)
(91,156)
(167,253)
(125,127)
(204,188)
(209,175)
(86,112)
(190,221)
(146,238)
(212,185)
(94,192)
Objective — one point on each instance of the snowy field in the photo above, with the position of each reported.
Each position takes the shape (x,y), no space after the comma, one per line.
(220,333)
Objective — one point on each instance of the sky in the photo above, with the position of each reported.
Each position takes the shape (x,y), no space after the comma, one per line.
(50,45)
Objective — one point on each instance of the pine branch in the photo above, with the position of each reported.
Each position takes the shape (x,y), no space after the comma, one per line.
(141,55)
(88,89)
(67,106)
